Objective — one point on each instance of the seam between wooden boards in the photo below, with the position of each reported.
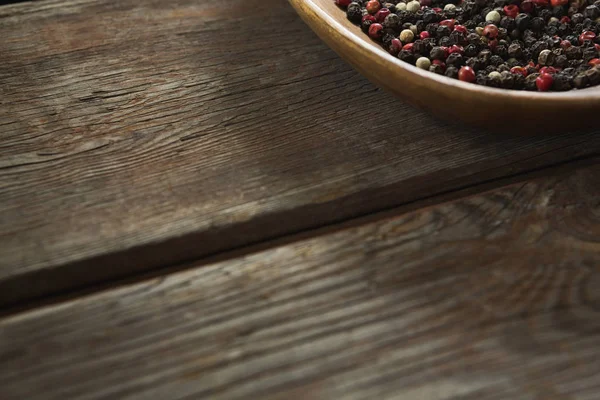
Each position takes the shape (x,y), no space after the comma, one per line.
(425,202)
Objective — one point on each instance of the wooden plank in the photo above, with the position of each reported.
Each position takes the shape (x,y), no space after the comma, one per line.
(136,134)
(493,296)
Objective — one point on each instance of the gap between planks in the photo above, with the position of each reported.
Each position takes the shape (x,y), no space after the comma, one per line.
(561,168)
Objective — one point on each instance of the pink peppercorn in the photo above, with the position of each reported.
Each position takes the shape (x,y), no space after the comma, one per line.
(395,46)
(343,3)
(594,62)
(544,82)
(449,23)
(586,35)
(424,35)
(373,6)
(511,10)
(490,31)
(519,70)
(466,74)
(460,28)
(456,49)
(376,31)
(381,14)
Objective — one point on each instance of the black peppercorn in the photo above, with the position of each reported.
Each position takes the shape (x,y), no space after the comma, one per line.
(442,31)
(537,24)
(458,38)
(518,81)
(471,50)
(451,72)
(354,12)
(437,53)
(406,56)
(496,60)
(559,12)
(593,75)
(522,22)
(592,12)
(562,82)
(485,56)
(589,53)
(430,16)
(573,52)
(503,67)
(577,18)
(515,50)
(392,21)
(437,69)
(537,48)
(445,41)
(508,23)
(561,61)
(580,81)
(455,59)
(530,82)
(544,14)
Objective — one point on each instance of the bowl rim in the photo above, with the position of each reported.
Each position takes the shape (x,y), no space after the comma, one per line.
(581,95)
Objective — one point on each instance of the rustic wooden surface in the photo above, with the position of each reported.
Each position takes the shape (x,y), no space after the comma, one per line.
(493,296)
(136,134)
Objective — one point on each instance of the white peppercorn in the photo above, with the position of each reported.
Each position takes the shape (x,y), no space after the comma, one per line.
(423,63)
(413,6)
(449,7)
(493,16)
(407,36)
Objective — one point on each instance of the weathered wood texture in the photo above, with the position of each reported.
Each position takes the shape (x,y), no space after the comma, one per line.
(490,297)
(140,133)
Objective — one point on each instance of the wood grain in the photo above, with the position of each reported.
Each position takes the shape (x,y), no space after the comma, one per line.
(449,98)
(490,297)
(142,133)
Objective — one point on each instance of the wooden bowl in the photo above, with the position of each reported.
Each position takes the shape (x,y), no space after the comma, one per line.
(451,99)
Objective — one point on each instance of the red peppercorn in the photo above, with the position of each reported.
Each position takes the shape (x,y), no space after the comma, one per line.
(373,6)
(466,74)
(586,35)
(437,9)
(376,31)
(449,23)
(565,44)
(511,10)
(395,46)
(597,46)
(490,31)
(343,3)
(460,28)
(519,70)
(424,35)
(381,14)
(426,3)
(408,47)
(456,49)
(548,70)
(493,43)
(594,62)
(544,82)
(368,17)
(540,2)
(527,6)
(558,3)
(565,20)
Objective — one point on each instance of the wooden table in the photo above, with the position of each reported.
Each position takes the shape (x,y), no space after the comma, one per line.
(198,199)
